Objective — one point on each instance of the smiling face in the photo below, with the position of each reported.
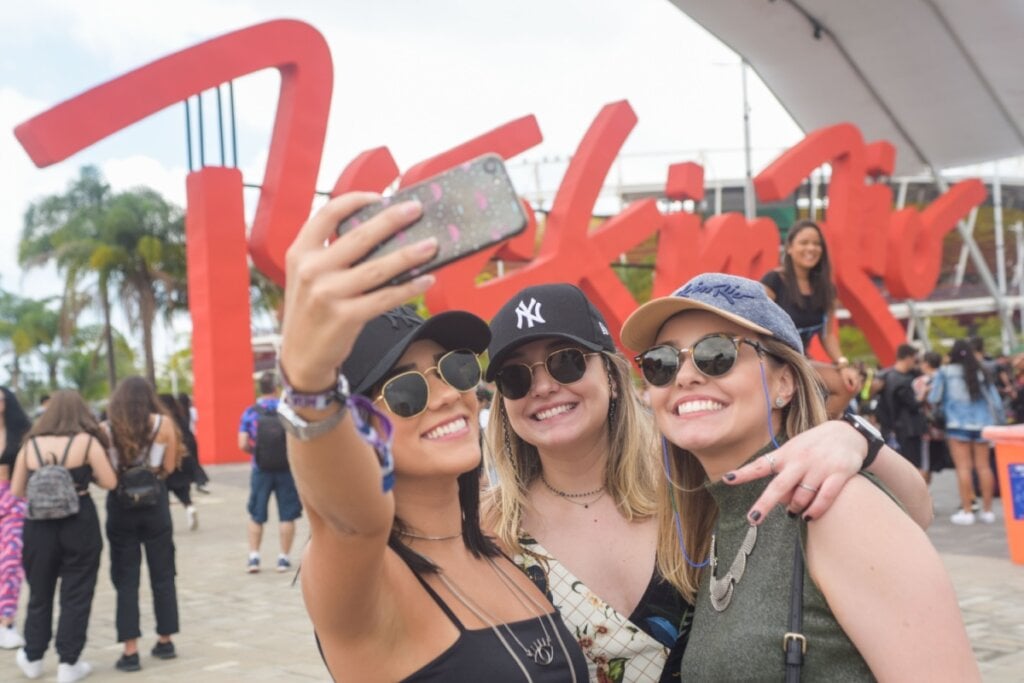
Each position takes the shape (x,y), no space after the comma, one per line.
(721,420)
(560,416)
(443,440)
(805,248)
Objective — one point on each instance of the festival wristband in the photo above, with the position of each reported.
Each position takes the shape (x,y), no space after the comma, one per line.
(315,400)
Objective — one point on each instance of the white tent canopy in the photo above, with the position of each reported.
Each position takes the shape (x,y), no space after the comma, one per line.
(938,78)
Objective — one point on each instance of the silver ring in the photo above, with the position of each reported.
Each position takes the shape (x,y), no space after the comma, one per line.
(809,488)
(770,457)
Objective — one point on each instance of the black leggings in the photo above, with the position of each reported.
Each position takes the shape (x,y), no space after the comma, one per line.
(68,549)
(129,530)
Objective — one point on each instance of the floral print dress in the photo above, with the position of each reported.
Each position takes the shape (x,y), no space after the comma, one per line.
(643,647)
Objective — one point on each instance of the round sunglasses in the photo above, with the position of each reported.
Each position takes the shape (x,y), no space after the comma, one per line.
(713,356)
(407,394)
(565,367)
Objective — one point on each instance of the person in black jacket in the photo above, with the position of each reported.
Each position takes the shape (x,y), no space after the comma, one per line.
(901,415)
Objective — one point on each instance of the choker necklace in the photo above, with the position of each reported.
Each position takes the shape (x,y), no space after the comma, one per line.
(429,538)
(599,492)
(721,589)
(541,651)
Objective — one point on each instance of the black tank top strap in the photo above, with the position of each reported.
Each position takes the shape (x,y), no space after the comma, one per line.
(440,603)
(39,456)
(67,449)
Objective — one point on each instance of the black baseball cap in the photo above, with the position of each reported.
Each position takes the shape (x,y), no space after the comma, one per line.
(385,338)
(556,310)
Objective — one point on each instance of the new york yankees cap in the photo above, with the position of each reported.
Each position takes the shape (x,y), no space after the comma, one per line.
(557,310)
(735,298)
(385,338)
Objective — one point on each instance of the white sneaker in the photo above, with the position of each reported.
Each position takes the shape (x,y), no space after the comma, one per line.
(10,639)
(963,518)
(987,516)
(30,669)
(69,673)
(193,518)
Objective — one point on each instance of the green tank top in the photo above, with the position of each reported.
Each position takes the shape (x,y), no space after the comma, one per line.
(744,642)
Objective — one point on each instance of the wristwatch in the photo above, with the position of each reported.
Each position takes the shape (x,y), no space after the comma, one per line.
(869,432)
(303,429)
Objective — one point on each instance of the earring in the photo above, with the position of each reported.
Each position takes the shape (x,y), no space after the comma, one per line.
(780,402)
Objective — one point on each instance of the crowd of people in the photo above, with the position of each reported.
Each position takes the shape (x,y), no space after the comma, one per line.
(50,533)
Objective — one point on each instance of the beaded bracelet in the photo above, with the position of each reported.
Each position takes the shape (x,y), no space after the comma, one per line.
(363,410)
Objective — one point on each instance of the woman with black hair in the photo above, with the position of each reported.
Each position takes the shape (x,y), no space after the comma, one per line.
(802,286)
(13,427)
(188,434)
(400,584)
(180,480)
(964,393)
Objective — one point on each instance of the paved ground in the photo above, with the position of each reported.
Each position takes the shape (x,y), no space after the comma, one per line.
(238,627)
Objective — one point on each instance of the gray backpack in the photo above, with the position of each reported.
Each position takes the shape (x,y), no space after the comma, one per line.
(51,491)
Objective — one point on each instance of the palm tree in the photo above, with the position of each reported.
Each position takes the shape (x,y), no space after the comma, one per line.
(66,229)
(133,241)
(29,325)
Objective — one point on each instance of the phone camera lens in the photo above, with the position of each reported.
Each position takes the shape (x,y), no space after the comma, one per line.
(490,166)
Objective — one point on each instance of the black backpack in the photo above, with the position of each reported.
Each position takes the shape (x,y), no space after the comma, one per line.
(271,448)
(138,486)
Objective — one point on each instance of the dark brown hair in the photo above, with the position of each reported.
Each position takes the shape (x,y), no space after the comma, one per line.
(131,404)
(67,414)
(823,292)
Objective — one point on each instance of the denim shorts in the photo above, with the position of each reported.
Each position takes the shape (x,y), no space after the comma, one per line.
(281,484)
(968,435)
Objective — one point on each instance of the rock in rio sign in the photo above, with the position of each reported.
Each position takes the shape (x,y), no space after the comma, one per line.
(864,235)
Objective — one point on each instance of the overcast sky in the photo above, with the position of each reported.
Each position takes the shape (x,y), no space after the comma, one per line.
(416,76)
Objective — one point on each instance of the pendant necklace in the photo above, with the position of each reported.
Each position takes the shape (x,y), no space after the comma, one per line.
(541,651)
(569,497)
(721,589)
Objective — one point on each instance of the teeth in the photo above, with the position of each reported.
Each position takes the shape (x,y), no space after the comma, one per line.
(446,429)
(551,412)
(697,406)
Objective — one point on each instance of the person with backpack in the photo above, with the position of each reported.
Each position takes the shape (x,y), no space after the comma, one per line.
(262,435)
(63,453)
(144,452)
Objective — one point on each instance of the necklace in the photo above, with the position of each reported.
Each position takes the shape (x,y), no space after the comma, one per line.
(721,589)
(429,538)
(541,651)
(563,494)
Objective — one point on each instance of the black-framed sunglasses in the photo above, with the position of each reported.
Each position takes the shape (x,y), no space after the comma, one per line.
(407,394)
(713,356)
(565,366)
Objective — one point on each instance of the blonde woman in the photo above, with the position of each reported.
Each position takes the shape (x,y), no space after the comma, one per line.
(823,596)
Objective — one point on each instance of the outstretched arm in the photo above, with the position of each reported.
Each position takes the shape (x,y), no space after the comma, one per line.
(338,475)
(825,458)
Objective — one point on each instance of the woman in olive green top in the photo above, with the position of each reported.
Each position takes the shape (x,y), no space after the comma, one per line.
(728,380)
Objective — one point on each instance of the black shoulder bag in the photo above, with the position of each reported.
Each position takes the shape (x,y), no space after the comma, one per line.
(138,486)
(794,642)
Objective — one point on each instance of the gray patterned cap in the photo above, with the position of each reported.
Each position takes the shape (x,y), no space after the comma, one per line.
(735,298)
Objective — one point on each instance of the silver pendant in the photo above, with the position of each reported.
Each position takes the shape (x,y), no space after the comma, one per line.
(542,653)
(721,589)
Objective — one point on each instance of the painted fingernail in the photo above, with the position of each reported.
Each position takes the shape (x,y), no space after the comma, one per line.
(755,515)
(411,208)
(730,476)
(808,518)
(792,515)
(426,246)
(423,282)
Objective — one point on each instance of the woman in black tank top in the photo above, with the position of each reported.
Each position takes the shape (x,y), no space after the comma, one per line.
(400,584)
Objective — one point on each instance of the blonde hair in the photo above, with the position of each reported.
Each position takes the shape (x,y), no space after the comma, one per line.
(631,471)
(685,491)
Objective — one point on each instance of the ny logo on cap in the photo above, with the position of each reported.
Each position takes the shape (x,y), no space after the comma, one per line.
(528,313)
(403,314)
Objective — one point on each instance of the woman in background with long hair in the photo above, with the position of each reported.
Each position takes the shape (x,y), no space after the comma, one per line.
(13,428)
(68,548)
(965,394)
(142,435)
(802,286)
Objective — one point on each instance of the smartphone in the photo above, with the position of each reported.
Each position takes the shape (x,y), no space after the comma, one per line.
(467,208)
